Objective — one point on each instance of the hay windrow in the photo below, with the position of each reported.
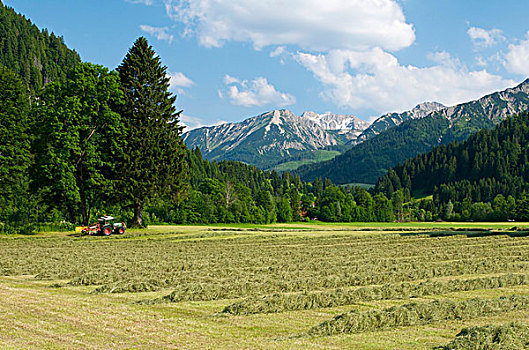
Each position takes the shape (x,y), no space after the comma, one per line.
(511,336)
(338,297)
(415,314)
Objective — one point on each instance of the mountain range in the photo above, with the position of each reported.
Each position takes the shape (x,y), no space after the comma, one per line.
(281,139)
(346,149)
(369,160)
(272,137)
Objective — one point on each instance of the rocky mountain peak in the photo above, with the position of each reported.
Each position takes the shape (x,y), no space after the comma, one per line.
(331,121)
(425,108)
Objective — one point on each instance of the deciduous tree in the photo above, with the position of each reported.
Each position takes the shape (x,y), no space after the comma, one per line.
(78,141)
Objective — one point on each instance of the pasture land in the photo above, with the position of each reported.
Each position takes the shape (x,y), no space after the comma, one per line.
(362,286)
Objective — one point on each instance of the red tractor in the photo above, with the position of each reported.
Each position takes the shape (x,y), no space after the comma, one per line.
(105,226)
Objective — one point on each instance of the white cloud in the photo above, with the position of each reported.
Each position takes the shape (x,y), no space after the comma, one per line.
(444,58)
(258,92)
(375,80)
(160,33)
(310,24)
(228,79)
(278,51)
(483,38)
(178,79)
(481,62)
(517,58)
(145,2)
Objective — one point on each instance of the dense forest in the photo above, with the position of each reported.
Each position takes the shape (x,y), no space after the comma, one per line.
(235,192)
(368,161)
(482,178)
(36,56)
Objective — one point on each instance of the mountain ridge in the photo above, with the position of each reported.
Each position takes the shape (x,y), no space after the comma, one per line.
(369,160)
(270,137)
(390,120)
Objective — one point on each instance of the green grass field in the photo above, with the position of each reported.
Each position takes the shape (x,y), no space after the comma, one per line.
(314,285)
(317,156)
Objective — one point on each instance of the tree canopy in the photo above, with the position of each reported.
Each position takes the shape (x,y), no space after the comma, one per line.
(78,136)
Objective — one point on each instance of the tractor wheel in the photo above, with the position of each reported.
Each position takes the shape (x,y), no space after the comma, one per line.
(107,231)
(121,230)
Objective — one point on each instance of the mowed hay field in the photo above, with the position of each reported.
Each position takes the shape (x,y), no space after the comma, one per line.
(358,286)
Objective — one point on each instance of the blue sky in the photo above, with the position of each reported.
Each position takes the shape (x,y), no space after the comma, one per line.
(230,60)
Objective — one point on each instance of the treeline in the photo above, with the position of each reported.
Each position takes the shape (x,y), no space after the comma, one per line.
(483,178)
(36,56)
(234,192)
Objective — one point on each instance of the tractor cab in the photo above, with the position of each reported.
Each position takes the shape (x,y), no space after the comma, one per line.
(106,220)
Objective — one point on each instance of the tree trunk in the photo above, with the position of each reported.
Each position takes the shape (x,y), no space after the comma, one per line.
(84,212)
(138,214)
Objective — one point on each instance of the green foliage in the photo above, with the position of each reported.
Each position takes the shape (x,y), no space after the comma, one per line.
(152,164)
(36,56)
(14,152)
(78,136)
(284,211)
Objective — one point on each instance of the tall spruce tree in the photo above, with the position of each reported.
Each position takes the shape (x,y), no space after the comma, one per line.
(154,164)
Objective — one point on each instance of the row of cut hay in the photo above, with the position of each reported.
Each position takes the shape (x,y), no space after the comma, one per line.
(415,314)
(339,297)
(511,336)
(198,290)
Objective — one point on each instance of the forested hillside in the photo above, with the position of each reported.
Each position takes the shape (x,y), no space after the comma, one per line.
(366,162)
(36,56)
(490,168)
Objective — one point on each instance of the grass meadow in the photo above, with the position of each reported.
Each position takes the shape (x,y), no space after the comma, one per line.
(313,285)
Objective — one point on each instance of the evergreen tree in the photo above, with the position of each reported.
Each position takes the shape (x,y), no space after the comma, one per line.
(522,207)
(284,211)
(153,159)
